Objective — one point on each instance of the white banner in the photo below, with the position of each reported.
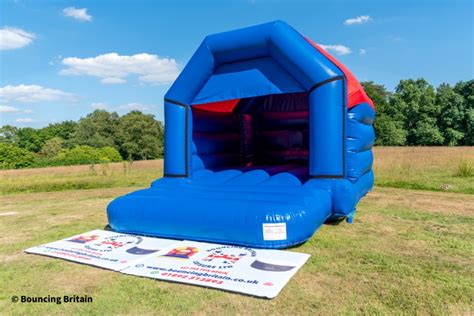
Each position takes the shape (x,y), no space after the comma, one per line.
(238,269)
(105,249)
(256,272)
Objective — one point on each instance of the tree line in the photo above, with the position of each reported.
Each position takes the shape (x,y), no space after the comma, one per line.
(99,137)
(417,114)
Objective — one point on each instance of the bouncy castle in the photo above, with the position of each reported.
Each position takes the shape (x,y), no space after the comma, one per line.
(267,137)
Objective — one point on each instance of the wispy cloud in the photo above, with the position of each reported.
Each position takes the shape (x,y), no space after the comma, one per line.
(13,110)
(124,108)
(32,94)
(78,14)
(13,38)
(8,109)
(358,20)
(99,106)
(113,80)
(362,51)
(25,120)
(337,49)
(113,68)
(135,106)
(395,38)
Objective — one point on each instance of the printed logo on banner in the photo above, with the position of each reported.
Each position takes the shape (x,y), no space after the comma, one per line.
(264,266)
(141,251)
(83,239)
(114,242)
(224,257)
(184,252)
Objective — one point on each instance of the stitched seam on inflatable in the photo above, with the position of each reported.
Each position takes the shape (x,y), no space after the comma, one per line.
(319,84)
(344,109)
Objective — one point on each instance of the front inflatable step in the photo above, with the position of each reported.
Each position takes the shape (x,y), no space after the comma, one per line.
(261,219)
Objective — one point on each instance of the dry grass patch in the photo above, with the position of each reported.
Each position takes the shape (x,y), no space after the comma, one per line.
(432,202)
(140,173)
(80,169)
(425,168)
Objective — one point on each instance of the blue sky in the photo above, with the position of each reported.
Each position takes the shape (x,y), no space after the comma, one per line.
(59,60)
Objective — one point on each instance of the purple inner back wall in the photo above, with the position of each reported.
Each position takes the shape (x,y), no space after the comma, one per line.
(270,133)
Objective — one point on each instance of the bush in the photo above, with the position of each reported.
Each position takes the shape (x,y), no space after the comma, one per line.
(80,155)
(465,169)
(109,154)
(14,157)
(52,147)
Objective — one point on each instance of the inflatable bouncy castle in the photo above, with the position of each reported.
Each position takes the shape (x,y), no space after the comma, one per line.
(267,137)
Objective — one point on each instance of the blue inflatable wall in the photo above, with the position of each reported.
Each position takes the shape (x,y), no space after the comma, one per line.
(266,138)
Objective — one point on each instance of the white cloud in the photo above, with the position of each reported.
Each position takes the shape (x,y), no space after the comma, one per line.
(12,38)
(395,38)
(13,110)
(8,109)
(135,106)
(362,51)
(113,68)
(33,93)
(358,20)
(100,106)
(25,120)
(338,49)
(78,14)
(124,108)
(112,80)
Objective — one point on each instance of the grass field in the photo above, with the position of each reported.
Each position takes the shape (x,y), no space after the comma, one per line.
(423,168)
(408,251)
(124,174)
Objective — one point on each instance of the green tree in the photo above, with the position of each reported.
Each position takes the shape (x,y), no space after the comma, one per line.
(452,116)
(466,90)
(30,139)
(97,129)
(9,134)
(13,157)
(427,134)
(64,130)
(389,132)
(389,123)
(417,98)
(141,136)
(469,127)
(378,94)
(52,147)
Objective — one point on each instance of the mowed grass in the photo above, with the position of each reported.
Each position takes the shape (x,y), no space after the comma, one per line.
(422,168)
(407,252)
